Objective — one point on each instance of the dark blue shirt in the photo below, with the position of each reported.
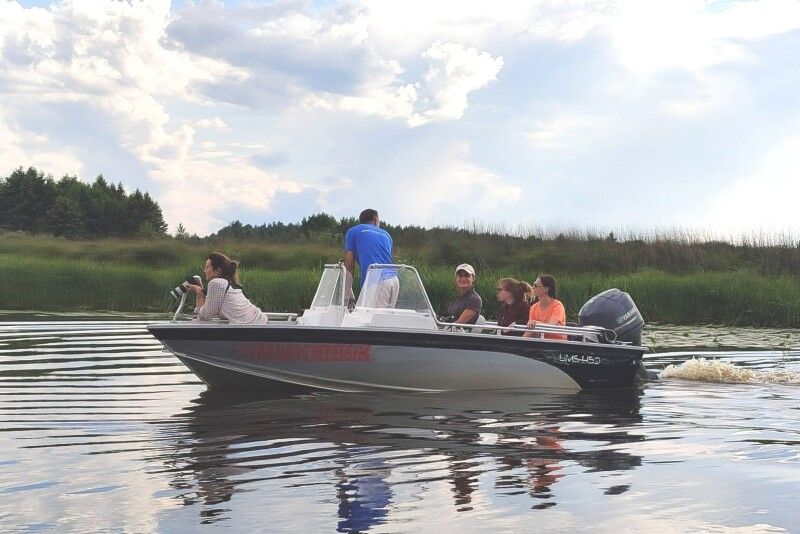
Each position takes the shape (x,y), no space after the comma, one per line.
(370,244)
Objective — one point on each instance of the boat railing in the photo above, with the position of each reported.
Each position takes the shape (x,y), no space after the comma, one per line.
(180,308)
(586,333)
(291,317)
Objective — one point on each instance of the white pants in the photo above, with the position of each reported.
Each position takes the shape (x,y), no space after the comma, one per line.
(381,295)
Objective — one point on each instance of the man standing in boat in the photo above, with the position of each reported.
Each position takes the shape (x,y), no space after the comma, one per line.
(367,243)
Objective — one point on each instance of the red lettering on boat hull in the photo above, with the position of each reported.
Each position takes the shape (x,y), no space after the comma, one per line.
(305,352)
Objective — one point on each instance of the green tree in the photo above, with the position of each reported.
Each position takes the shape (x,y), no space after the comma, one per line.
(319,223)
(25,199)
(67,218)
(181,232)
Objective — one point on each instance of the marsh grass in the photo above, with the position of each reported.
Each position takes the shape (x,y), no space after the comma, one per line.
(710,282)
(734,298)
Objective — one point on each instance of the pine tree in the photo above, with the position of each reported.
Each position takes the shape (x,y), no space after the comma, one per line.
(181,232)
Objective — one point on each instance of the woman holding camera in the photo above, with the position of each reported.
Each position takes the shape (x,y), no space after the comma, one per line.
(223,297)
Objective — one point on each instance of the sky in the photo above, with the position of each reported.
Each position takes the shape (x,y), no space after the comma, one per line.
(596,115)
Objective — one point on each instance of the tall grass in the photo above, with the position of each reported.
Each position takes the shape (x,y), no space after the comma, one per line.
(63,284)
(734,298)
(566,253)
(67,285)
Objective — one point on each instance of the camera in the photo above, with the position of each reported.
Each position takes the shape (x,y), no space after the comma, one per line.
(192,279)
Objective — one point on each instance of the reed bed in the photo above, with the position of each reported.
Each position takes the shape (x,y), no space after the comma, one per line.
(63,284)
(563,254)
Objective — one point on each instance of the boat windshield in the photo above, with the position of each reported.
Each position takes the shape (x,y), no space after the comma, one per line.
(394,286)
(329,291)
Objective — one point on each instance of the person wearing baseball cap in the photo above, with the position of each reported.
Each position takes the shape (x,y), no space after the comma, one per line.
(466,306)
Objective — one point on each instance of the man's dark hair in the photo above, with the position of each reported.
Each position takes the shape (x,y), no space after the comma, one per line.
(367,216)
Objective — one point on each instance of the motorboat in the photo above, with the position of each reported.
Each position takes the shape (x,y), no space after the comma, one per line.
(340,346)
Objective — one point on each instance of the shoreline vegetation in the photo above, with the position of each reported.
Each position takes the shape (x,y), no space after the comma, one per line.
(674,280)
(71,245)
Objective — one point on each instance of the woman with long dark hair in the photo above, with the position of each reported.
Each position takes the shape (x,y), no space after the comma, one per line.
(547,309)
(223,298)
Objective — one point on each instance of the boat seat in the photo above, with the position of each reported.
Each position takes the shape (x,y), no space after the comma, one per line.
(479,321)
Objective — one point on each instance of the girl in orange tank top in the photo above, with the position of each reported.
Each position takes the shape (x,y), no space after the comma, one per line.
(547,309)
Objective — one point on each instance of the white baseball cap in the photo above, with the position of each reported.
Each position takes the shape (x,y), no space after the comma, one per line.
(466,267)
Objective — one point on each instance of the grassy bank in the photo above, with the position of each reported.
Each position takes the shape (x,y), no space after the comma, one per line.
(34,281)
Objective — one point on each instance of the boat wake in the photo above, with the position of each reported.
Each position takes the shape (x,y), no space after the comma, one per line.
(723,372)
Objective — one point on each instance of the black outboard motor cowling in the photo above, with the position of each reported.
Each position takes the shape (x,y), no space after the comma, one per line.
(615,310)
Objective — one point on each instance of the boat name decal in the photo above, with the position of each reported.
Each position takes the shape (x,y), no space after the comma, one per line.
(584,359)
(306,352)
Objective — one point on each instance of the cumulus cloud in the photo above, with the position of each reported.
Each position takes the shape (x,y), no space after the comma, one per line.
(114,60)
(257,102)
(454,71)
(204,192)
(330,61)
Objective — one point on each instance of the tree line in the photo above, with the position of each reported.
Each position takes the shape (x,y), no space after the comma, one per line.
(38,204)
(569,252)
(326,228)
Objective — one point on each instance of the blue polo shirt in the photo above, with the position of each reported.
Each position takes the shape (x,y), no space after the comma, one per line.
(370,244)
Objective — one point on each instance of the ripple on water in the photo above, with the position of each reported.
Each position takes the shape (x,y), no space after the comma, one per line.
(102,430)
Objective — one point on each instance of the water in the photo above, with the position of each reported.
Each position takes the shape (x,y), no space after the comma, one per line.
(100,430)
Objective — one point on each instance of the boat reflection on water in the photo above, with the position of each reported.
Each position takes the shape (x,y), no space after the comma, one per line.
(364,447)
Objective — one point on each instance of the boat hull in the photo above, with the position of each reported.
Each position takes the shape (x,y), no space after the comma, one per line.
(281,358)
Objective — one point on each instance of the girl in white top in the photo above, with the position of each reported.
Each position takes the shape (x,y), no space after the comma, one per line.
(223,297)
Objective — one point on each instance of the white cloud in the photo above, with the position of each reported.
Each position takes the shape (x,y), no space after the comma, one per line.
(694,34)
(454,71)
(453,185)
(220,97)
(335,60)
(198,192)
(765,200)
(217,123)
(406,27)
(21,148)
(113,58)
(693,38)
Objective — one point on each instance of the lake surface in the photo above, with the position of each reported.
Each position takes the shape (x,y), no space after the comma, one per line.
(100,430)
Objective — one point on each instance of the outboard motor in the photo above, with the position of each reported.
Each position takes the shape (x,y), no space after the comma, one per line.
(615,310)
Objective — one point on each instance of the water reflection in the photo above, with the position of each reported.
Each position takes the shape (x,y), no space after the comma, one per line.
(364,447)
(100,430)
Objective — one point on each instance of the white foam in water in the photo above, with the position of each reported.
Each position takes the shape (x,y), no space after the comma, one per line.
(720,371)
